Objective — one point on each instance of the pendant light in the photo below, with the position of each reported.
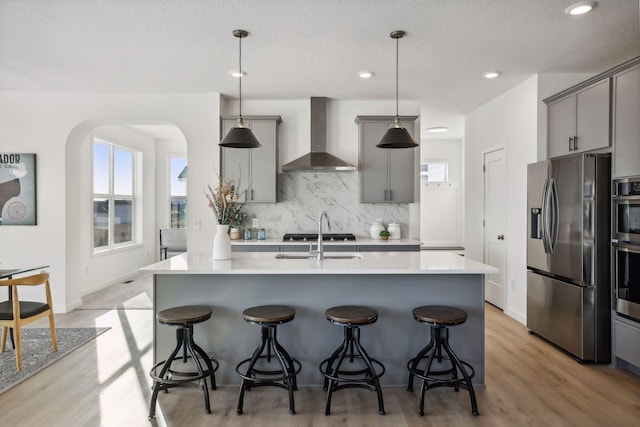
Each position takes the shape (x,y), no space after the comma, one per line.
(240,136)
(397,136)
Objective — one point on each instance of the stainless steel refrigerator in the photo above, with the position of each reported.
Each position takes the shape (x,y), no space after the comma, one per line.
(568,255)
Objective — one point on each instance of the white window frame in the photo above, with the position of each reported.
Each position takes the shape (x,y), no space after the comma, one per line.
(112,197)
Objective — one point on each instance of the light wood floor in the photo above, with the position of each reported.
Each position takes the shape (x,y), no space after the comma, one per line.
(528,383)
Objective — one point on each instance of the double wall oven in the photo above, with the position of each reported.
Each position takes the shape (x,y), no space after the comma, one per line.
(626,246)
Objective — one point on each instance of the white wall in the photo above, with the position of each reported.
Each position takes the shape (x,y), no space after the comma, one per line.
(54,126)
(441,213)
(508,121)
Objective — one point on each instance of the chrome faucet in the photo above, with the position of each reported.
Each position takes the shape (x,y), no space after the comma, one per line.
(320,250)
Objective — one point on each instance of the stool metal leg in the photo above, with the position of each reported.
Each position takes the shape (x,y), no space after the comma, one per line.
(157,386)
(254,358)
(207,360)
(194,356)
(367,361)
(289,381)
(334,372)
(414,362)
(467,379)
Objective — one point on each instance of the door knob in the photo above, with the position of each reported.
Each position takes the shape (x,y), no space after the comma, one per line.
(500,236)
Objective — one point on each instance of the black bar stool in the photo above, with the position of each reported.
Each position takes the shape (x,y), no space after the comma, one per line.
(444,374)
(269,317)
(351,317)
(183,318)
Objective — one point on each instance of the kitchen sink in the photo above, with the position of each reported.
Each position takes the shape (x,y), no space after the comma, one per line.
(314,256)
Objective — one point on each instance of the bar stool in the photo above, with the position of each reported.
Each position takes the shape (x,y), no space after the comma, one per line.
(183,317)
(351,317)
(446,374)
(269,317)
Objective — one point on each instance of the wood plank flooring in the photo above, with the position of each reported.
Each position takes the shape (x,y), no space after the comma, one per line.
(528,383)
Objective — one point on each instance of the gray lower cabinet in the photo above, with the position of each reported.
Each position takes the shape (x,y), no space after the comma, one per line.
(255,248)
(579,121)
(626,336)
(626,123)
(389,248)
(254,170)
(385,175)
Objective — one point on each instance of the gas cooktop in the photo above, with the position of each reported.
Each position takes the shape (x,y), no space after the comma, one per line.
(304,237)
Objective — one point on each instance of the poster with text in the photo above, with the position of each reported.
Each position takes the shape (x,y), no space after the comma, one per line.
(17,189)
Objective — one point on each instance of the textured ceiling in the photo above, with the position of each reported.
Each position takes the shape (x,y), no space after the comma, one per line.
(302,48)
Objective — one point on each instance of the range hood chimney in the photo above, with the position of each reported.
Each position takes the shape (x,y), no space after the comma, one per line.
(318,159)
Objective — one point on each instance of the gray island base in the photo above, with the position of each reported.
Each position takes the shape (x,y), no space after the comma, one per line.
(392,283)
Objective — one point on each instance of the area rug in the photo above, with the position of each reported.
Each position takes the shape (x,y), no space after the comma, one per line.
(136,294)
(37,353)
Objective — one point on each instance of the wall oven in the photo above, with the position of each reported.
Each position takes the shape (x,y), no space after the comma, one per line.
(626,210)
(626,261)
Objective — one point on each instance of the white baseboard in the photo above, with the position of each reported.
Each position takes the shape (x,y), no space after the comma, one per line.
(100,286)
(516,315)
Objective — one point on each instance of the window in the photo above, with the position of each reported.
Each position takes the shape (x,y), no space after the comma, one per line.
(434,171)
(178,190)
(114,196)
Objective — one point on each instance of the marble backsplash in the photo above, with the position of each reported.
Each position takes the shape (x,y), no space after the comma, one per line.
(302,196)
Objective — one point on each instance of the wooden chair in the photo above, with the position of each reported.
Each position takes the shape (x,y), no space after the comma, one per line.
(15,313)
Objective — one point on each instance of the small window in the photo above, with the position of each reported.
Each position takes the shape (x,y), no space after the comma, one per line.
(434,171)
(178,190)
(114,196)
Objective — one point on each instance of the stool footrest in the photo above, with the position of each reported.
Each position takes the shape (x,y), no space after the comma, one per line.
(189,376)
(346,376)
(265,376)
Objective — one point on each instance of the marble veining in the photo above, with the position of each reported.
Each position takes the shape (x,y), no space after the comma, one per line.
(302,196)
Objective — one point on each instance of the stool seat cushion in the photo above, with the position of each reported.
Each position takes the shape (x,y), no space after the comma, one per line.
(439,315)
(269,314)
(184,315)
(352,315)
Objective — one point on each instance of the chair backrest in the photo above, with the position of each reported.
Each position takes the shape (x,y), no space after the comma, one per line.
(33,280)
(174,239)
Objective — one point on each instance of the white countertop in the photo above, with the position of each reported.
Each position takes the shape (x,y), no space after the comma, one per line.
(425,262)
(359,241)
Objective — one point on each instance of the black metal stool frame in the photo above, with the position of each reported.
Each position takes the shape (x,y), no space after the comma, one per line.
(284,378)
(333,376)
(430,379)
(184,338)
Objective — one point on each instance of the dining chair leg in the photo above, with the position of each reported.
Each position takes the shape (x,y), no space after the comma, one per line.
(54,336)
(5,331)
(18,338)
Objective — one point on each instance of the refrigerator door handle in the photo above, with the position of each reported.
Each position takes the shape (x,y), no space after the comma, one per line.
(555,215)
(546,217)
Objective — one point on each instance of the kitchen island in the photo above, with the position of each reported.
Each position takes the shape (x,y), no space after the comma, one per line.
(391,282)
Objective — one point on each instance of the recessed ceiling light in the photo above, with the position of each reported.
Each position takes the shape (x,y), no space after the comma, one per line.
(238,74)
(580,8)
(365,74)
(438,129)
(491,74)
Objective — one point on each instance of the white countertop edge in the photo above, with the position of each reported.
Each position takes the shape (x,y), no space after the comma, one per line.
(358,241)
(387,263)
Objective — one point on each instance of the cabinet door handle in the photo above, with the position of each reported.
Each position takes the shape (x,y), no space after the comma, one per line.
(570,143)
(390,194)
(245,195)
(385,194)
(575,143)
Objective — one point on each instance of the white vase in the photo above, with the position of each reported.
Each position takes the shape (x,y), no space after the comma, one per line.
(222,243)
(376,228)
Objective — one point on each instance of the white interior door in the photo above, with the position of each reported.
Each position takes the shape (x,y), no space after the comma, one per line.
(494,225)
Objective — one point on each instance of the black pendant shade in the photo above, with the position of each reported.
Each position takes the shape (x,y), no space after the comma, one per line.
(397,136)
(240,136)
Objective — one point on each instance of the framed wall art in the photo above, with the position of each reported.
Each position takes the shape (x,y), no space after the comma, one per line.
(17,189)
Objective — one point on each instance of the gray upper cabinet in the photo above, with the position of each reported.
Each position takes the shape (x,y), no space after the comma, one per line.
(386,175)
(254,170)
(626,123)
(579,121)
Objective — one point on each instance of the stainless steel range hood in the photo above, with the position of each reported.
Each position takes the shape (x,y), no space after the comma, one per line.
(318,159)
